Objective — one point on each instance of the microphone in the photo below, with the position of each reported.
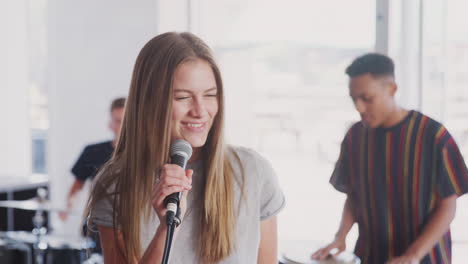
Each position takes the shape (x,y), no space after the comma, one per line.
(180,152)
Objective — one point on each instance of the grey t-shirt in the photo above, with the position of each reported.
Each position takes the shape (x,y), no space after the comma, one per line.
(262,198)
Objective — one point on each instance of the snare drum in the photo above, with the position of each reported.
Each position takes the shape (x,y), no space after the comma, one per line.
(300,253)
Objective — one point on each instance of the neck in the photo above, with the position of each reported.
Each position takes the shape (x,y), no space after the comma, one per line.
(395,117)
(195,155)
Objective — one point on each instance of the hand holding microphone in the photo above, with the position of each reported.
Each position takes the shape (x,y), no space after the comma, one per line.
(170,192)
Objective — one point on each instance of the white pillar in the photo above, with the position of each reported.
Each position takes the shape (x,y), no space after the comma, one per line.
(382,26)
(15,134)
(92,48)
(409,68)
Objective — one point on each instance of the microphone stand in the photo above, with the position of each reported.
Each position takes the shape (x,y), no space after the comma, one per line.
(181,151)
(173,221)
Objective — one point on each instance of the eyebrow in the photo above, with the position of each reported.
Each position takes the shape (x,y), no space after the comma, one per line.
(188,91)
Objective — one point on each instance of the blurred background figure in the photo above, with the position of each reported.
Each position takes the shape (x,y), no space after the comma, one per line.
(91,160)
(95,155)
(402,204)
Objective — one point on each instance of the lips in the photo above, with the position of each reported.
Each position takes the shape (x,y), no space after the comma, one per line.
(194,126)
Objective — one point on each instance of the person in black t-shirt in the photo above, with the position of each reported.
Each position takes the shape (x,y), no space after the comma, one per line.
(94,156)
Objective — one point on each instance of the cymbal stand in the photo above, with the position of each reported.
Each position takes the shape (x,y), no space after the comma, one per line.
(39,230)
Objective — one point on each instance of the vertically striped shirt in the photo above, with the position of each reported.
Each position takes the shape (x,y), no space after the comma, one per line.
(395,177)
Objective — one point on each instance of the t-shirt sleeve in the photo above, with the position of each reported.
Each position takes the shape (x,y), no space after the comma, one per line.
(272,199)
(102,213)
(84,167)
(340,176)
(453,174)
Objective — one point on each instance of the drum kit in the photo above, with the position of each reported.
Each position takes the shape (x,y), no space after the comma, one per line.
(38,246)
(299,252)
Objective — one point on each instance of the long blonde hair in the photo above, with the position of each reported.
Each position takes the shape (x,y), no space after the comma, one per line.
(143,147)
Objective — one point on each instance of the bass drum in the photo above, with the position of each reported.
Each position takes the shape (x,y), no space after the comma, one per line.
(14,252)
(67,250)
(60,249)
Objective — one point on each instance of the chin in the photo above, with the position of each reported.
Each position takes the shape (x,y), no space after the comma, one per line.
(370,125)
(196,142)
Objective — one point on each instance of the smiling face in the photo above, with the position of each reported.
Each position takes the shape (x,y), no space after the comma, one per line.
(373,98)
(195,102)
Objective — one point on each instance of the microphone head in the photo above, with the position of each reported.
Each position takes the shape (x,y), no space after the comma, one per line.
(181,147)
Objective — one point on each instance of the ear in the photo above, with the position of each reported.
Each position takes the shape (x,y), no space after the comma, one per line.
(392,88)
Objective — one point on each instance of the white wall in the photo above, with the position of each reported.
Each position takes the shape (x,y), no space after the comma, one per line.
(92,47)
(15,136)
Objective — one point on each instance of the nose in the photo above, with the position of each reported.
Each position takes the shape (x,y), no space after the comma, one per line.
(198,108)
(360,106)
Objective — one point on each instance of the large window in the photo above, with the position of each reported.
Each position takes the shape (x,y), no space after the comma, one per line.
(455,103)
(37,84)
(283,65)
(444,88)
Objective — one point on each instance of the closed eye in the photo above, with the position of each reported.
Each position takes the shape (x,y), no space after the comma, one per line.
(179,98)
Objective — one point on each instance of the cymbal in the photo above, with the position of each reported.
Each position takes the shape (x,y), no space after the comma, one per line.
(53,240)
(33,205)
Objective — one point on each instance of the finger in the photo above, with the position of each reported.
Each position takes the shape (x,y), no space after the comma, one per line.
(164,191)
(173,169)
(156,188)
(156,203)
(179,174)
(324,253)
(315,254)
(175,181)
(318,252)
(188,175)
(168,190)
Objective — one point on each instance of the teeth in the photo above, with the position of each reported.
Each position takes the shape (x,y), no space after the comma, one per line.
(194,125)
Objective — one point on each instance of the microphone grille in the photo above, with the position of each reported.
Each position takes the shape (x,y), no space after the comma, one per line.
(181,147)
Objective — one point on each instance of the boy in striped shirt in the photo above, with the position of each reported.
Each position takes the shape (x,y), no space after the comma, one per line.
(401,171)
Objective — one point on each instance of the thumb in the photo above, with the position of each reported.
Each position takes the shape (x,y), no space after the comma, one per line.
(188,174)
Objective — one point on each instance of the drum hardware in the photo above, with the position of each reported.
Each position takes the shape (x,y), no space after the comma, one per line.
(14,251)
(46,248)
(300,252)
